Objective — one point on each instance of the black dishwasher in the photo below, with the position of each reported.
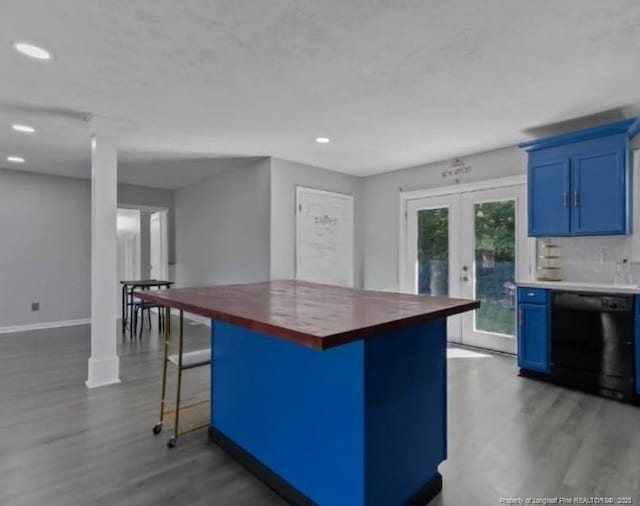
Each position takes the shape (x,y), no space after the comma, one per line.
(592,343)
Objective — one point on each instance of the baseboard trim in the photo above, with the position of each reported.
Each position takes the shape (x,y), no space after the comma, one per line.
(45,325)
(103,372)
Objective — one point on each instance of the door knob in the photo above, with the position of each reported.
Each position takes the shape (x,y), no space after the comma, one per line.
(464,278)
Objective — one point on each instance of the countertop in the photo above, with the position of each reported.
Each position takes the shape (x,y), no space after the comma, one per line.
(311,314)
(583,287)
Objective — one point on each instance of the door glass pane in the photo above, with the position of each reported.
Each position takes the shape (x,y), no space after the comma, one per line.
(495,266)
(433,251)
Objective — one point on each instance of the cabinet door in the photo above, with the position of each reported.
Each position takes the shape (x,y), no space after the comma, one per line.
(548,186)
(599,193)
(533,337)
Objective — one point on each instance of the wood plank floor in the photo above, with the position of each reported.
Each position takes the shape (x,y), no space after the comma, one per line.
(62,444)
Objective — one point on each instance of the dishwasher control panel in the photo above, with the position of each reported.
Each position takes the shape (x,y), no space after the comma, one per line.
(616,303)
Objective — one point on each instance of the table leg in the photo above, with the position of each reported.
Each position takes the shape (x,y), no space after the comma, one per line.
(168,320)
(132,331)
(124,308)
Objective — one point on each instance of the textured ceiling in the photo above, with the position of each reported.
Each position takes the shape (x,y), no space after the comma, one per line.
(394,83)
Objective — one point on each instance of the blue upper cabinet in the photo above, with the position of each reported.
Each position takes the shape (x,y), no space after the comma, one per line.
(579,183)
(599,195)
(549,198)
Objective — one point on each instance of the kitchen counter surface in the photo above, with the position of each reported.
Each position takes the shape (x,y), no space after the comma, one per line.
(584,287)
(311,314)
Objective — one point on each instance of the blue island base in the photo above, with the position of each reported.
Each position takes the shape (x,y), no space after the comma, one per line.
(358,424)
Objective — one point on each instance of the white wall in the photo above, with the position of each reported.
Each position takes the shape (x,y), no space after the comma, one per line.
(45,245)
(285,176)
(222,227)
(381,206)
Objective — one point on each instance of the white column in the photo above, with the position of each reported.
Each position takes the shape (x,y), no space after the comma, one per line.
(104,365)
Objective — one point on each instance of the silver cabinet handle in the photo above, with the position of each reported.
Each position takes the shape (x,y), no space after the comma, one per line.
(566,199)
(531,294)
(521,317)
(575,198)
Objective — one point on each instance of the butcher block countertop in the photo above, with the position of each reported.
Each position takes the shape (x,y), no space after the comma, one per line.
(314,315)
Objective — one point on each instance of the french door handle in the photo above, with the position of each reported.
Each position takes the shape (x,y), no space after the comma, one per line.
(575,198)
(566,199)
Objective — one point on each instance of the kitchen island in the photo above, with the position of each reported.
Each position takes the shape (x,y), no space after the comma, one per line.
(330,395)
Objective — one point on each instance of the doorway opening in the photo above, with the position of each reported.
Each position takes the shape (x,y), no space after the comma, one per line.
(143,246)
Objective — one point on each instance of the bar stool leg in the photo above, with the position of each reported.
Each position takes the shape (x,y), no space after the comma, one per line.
(133,326)
(176,425)
(158,427)
(132,331)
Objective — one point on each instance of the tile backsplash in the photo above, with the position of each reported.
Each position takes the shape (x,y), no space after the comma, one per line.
(593,259)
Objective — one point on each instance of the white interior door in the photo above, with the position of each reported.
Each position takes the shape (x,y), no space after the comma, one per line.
(324,237)
(476,241)
(158,250)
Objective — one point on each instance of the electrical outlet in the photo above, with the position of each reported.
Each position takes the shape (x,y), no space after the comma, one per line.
(35,306)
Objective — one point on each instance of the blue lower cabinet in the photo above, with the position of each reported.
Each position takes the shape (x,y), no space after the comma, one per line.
(533,337)
(637,343)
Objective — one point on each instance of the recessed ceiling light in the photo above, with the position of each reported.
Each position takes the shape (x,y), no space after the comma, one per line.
(15,159)
(323,140)
(23,128)
(32,51)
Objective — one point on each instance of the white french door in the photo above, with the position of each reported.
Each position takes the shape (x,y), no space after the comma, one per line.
(470,244)
(433,251)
